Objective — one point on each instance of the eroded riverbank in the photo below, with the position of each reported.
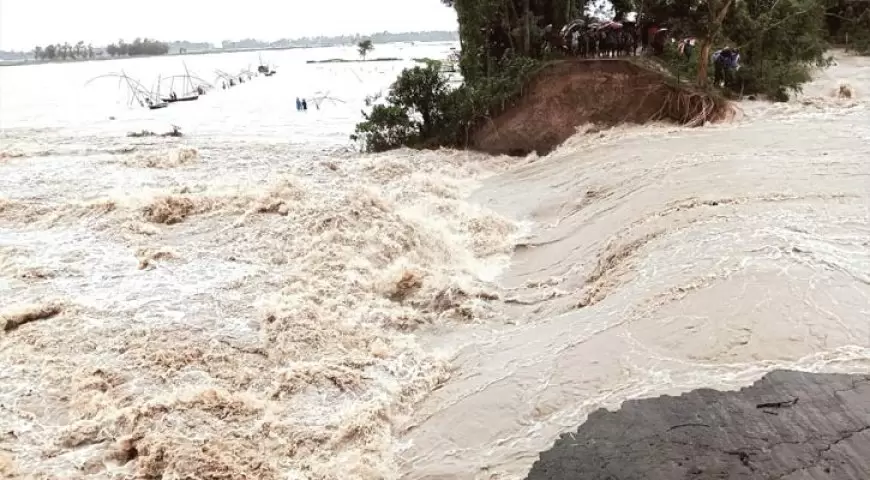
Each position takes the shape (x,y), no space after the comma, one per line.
(664,260)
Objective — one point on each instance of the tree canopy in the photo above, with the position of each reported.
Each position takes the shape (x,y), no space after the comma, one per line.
(139,47)
(489,29)
(364,47)
(503,42)
(65,51)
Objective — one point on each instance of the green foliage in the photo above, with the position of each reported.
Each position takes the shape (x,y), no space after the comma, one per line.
(505,42)
(422,111)
(780,43)
(491,30)
(421,91)
(496,92)
(412,112)
(683,67)
(386,127)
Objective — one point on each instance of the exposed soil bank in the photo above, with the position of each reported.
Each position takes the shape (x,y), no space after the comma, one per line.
(787,425)
(606,92)
(660,260)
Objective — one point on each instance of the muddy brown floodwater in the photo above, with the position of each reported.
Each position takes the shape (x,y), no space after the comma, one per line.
(235,306)
(662,260)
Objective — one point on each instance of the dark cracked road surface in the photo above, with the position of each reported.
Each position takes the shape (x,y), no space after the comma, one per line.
(787,426)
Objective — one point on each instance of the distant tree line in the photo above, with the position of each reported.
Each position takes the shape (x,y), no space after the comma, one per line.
(325,41)
(139,47)
(79,51)
(145,46)
(184,46)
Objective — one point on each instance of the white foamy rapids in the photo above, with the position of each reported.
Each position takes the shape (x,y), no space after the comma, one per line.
(215,310)
(665,259)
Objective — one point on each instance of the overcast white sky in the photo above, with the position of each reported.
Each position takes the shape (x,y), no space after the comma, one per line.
(26,23)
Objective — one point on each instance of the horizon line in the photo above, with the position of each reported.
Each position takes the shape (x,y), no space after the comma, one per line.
(357,34)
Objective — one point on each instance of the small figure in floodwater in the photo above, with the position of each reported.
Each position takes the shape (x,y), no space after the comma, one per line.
(304,105)
(298,104)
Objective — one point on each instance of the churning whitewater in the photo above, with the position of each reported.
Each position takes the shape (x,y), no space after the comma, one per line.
(224,307)
(233,330)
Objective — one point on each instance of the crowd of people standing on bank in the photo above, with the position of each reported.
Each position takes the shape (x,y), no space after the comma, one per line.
(608,39)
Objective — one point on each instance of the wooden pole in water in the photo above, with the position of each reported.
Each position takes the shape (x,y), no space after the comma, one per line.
(187,75)
(133,91)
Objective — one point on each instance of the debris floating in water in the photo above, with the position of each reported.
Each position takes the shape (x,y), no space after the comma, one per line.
(175,132)
(19,315)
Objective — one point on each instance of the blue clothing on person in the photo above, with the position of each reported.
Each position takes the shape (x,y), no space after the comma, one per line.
(732,60)
(725,63)
(727,58)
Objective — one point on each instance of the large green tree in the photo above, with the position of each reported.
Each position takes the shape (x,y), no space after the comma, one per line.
(489,30)
(780,41)
(504,43)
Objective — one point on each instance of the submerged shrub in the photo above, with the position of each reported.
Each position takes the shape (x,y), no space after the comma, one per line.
(386,127)
(423,111)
